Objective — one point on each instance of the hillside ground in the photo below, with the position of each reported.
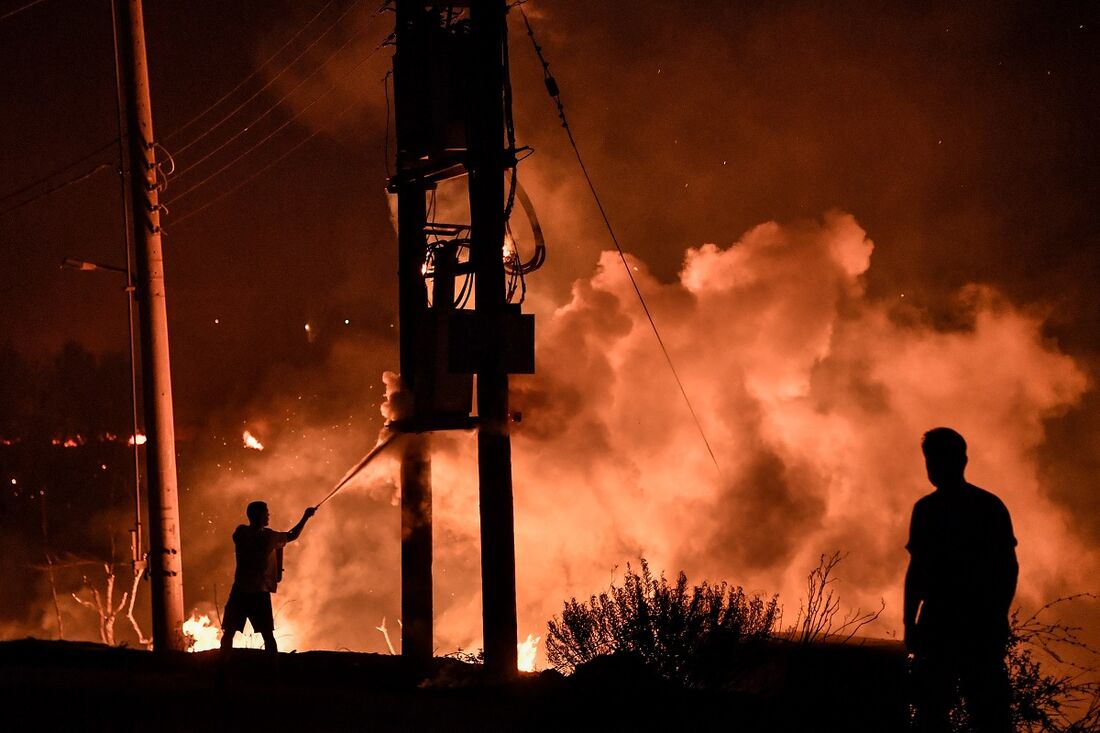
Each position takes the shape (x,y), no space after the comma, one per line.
(51,685)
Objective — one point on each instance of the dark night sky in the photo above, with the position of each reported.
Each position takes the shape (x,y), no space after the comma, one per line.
(962,137)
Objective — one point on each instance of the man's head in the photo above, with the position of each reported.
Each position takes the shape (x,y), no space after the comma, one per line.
(258,515)
(944,456)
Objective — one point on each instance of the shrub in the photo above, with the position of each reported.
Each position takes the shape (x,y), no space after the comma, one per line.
(1068,700)
(668,626)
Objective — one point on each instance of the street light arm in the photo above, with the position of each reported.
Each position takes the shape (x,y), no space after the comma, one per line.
(73,264)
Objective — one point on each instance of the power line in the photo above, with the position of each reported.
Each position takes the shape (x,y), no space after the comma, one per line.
(277,160)
(271,81)
(55,189)
(33,184)
(247,180)
(245,80)
(17,11)
(273,106)
(555,94)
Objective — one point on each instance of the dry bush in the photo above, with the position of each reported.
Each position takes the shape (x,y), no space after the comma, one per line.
(1066,701)
(668,626)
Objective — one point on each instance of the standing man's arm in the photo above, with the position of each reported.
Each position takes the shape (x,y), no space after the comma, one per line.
(296,530)
(915,584)
(1008,568)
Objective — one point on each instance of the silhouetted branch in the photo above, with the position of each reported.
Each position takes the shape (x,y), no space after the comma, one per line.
(386,635)
(104,606)
(142,639)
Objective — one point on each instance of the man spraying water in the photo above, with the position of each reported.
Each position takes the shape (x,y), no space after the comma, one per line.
(259,552)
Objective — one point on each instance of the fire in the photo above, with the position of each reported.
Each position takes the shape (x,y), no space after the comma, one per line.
(138,439)
(249,441)
(525,653)
(204,635)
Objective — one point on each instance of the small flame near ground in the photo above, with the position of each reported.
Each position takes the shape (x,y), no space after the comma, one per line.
(204,635)
(526,652)
(249,441)
(138,439)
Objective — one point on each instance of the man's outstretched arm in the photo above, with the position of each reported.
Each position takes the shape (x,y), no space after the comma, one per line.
(296,530)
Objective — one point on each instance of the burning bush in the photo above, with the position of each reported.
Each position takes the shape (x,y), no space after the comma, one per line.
(669,627)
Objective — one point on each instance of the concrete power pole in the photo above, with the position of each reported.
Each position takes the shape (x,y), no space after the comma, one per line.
(165,559)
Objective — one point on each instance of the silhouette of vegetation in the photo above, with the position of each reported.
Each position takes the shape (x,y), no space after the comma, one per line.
(817,616)
(669,626)
(1066,701)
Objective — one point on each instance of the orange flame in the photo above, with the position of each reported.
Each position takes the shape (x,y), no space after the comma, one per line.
(138,439)
(203,634)
(526,652)
(249,441)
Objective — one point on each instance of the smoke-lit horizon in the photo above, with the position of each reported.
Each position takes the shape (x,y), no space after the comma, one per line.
(814,399)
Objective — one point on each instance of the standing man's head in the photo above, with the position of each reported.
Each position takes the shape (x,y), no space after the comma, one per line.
(258,515)
(944,456)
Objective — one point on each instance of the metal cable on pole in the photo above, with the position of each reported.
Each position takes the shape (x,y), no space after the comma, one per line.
(30,186)
(245,80)
(271,108)
(274,132)
(54,189)
(555,94)
(19,10)
(136,544)
(270,81)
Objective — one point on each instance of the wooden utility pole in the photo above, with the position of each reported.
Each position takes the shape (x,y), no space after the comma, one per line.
(449,101)
(416,468)
(416,478)
(487,164)
(165,559)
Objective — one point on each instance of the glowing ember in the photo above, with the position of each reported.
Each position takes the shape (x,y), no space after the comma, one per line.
(203,634)
(138,439)
(525,653)
(249,441)
(70,443)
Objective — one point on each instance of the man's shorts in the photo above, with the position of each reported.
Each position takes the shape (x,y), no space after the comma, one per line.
(254,606)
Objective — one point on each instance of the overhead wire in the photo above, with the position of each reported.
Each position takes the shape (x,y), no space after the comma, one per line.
(176,221)
(38,182)
(17,11)
(275,105)
(270,81)
(256,174)
(274,132)
(54,189)
(248,78)
(555,94)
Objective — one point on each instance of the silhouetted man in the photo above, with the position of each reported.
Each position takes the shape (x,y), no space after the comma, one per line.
(259,569)
(960,583)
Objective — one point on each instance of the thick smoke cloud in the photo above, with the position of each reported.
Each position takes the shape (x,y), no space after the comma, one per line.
(812,395)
